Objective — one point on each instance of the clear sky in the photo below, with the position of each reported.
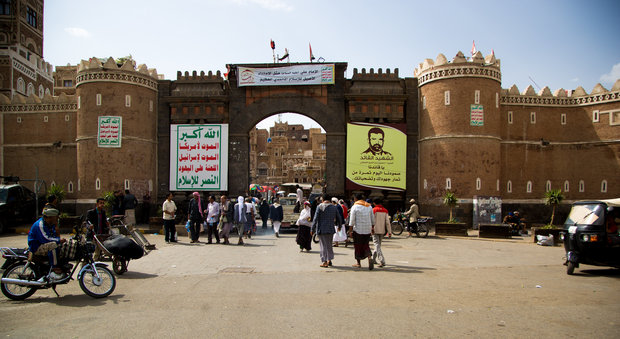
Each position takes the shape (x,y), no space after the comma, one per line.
(554,43)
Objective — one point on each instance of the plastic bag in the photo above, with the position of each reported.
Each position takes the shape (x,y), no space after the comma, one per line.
(188,226)
(340,236)
(544,240)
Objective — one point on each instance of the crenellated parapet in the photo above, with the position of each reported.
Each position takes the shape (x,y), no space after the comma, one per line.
(96,70)
(372,75)
(34,104)
(560,97)
(477,66)
(202,77)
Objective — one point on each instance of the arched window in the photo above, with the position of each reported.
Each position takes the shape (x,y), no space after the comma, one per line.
(127,186)
(548,186)
(448,183)
(478,184)
(509,186)
(529,187)
(566,186)
(41,91)
(30,89)
(582,186)
(70,187)
(97,184)
(604,186)
(21,86)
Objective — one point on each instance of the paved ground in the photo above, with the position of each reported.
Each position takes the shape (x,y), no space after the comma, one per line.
(448,287)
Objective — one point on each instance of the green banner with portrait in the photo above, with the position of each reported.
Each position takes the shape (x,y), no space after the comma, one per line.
(376,156)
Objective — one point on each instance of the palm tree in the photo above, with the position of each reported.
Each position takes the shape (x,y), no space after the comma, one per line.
(553,198)
(449,199)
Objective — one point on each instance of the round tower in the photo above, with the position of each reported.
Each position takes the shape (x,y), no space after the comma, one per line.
(459,142)
(116,128)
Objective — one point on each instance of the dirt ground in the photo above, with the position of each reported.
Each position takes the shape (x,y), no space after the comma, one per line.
(444,287)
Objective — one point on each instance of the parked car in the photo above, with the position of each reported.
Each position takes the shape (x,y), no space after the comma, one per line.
(17,204)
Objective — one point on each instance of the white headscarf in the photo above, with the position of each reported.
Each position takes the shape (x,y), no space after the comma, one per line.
(241,202)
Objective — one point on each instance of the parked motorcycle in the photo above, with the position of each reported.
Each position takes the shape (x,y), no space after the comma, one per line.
(13,254)
(25,276)
(400,222)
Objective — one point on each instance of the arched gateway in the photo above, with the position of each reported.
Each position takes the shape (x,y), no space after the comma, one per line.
(373,97)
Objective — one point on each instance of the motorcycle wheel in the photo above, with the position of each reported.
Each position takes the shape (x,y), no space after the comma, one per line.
(14,291)
(570,268)
(397,228)
(422,230)
(315,238)
(98,287)
(119,265)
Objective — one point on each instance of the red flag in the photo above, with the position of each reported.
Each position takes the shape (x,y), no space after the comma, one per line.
(311,55)
(273,45)
(473,47)
(285,55)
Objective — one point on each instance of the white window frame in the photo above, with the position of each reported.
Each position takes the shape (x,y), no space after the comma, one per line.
(127,100)
(582,186)
(596,116)
(510,117)
(425,184)
(79,185)
(612,114)
(97,184)
(41,91)
(448,183)
(19,120)
(566,186)
(150,105)
(46,118)
(67,118)
(509,186)
(30,89)
(563,119)
(21,85)
(532,117)
(478,184)
(496,100)
(604,186)
(548,186)
(79,101)
(477,97)
(423,102)
(528,187)
(127,184)
(70,187)
(497,185)
(446,97)
(98,99)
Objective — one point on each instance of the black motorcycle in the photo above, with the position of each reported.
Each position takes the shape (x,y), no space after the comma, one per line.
(12,254)
(26,275)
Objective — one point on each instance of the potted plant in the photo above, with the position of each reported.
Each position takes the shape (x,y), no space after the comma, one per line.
(65,222)
(452,226)
(553,198)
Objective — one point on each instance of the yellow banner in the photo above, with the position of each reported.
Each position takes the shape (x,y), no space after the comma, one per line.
(377,155)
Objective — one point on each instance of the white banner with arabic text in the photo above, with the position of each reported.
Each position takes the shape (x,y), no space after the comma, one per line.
(316,74)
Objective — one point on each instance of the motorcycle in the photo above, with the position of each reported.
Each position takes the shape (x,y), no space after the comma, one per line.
(591,234)
(12,255)
(25,276)
(400,222)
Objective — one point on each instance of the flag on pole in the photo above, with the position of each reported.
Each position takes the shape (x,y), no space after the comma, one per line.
(473,47)
(492,52)
(285,55)
(273,45)
(311,55)
(273,50)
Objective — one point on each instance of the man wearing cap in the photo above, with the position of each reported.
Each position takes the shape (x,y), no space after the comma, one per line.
(43,240)
(413,214)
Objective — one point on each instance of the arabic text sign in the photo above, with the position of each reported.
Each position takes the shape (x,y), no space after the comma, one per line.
(199,157)
(109,131)
(477,115)
(317,74)
(377,155)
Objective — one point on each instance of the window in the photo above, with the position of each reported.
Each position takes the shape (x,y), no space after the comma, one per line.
(423,102)
(528,188)
(150,105)
(31,17)
(566,186)
(477,97)
(45,118)
(478,184)
(497,185)
(70,187)
(614,118)
(41,91)
(97,184)
(21,85)
(98,99)
(30,89)
(19,120)
(66,117)
(563,119)
(127,100)
(79,102)
(425,184)
(595,116)
(510,117)
(582,186)
(447,97)
(5,7)
(604,186)
(448,184)
(496,100)
(548,186)
(533,117)
(509,186)
(127,184)
(79,184)
(67,83)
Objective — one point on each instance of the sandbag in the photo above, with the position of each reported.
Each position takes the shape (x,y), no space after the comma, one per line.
(124,247)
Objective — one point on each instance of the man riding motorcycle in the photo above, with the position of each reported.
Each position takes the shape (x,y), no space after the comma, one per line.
(43,240)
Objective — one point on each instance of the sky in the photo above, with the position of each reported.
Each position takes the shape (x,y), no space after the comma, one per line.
(554,43)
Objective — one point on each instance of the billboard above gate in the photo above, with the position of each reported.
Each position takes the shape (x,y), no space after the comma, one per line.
(199,157)
(376,156)
(314,74)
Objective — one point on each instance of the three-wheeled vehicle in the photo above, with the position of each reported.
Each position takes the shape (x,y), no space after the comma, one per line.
(591,234)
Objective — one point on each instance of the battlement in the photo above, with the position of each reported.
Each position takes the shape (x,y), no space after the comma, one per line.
(32,103)
(477,66)
(561,97)
(128,65)
(379,75)
(201,78)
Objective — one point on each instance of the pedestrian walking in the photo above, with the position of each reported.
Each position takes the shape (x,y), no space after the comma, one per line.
(169,209)
(263,211)
(361,220)
(304,223)
(323,225)
(250,213)
(130,202)
(240,218)
(213,219)
(382,226)
(226,218)
(337,235)
(276,214)
(195,215)
(413,213)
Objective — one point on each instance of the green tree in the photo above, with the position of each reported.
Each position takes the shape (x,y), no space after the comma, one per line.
(553,198)
(449,199)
